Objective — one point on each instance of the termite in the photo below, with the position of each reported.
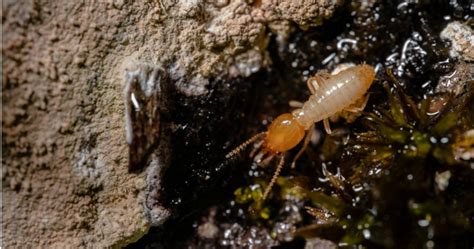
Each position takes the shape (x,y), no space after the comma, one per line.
(330,95)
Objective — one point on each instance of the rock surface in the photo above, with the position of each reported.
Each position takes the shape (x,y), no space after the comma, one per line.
(462,39)
(65,177)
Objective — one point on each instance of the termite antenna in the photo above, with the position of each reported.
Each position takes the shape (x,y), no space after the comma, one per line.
(244,145)
(274,178)
(305,145)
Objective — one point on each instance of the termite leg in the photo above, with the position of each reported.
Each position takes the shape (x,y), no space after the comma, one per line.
(327,126)
(325,74)
(274,178)
(263,158)
(244,145)
(353,109)
(303,148)
(313,83)
(361,107)
(267,160)
(259,157)
(256,148)
(295,104)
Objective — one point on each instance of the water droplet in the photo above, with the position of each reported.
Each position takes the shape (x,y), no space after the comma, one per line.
(366,234)
(429,244)
(423,223)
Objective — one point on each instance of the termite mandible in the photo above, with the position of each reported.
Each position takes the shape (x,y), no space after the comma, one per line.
(330,95)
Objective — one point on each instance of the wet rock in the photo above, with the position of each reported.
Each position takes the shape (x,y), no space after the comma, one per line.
(228,38)
(462,39)
(305,13)
(319,244)
(235,236)
(456,81)
(290,217)
(442,179)
(208,230)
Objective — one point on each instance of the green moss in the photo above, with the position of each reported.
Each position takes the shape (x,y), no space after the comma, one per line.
(446,123)
(249,193)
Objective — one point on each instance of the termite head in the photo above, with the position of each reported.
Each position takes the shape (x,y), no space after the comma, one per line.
(284,133)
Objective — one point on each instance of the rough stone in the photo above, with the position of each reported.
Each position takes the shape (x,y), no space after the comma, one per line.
(318,243)
(462,39)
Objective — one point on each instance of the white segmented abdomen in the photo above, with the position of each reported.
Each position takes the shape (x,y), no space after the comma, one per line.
(335,94)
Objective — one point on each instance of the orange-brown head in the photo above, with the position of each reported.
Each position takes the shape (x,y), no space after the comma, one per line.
(284,133)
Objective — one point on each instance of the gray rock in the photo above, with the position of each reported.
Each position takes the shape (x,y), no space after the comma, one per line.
(462,39)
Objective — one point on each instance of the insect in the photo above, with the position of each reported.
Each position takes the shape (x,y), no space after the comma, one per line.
(330,95)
